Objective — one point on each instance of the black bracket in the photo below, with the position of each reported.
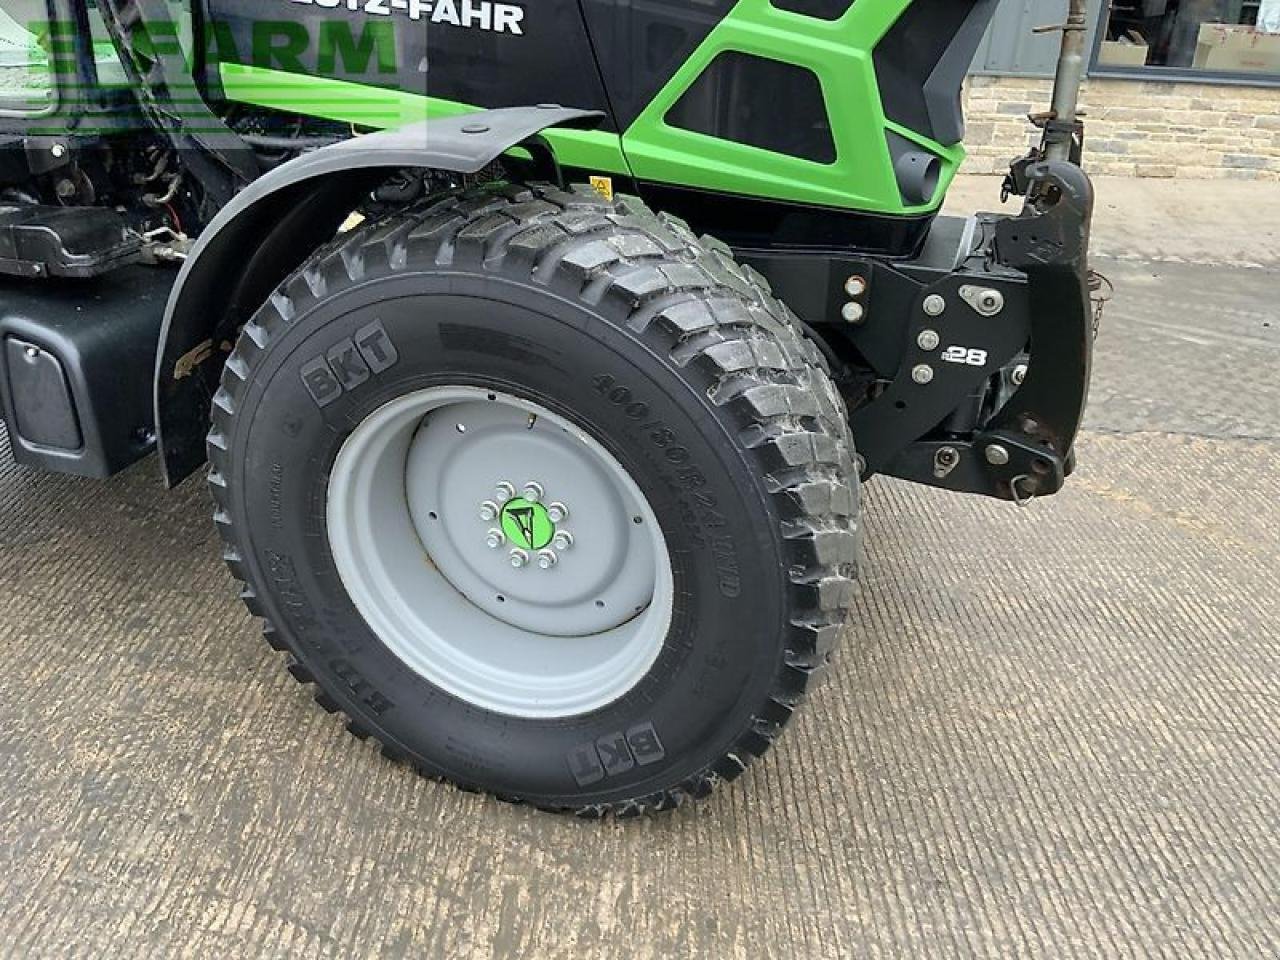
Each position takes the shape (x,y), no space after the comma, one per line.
(933,423)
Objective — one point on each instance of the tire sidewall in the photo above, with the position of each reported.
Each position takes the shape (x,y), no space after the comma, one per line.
(723,651)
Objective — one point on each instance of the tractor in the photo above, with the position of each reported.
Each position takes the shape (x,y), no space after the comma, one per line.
(536,350)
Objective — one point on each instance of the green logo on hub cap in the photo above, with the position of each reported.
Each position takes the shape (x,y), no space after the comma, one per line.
(527,525)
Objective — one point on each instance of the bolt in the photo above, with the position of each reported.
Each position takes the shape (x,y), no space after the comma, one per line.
(558,512)
(860,464)
(922,374)
(990,302)
(935,305)
(1019,374)
(489,511)
(853,313)
(547,559)
(563,540)
(945,461)
(997,455)
(32,353)
(928,340)
(519,559)
(495,539)
(59,150)
(504,492)
(532,492)
(855,286)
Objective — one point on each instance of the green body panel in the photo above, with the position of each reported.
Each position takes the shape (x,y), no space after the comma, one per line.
(838,52)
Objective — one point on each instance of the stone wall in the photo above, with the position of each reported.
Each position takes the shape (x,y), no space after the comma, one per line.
(1136,127)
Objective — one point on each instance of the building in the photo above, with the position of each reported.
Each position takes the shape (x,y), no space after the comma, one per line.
(1177,88)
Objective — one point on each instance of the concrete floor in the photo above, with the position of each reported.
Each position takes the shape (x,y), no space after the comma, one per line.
(1054,732)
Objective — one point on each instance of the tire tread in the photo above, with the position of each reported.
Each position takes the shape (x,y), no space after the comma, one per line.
(716,321)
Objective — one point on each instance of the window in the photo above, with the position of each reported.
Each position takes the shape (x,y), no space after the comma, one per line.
(1193,37)
(763,103)
(26,82)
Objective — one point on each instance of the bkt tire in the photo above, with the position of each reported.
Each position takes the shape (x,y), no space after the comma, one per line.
(548,496)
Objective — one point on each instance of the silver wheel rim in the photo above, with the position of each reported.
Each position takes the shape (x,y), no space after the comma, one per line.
(564,615)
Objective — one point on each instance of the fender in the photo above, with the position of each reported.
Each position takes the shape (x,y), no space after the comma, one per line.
(269,230)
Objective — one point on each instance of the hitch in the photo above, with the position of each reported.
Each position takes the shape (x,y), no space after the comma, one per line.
(996,412)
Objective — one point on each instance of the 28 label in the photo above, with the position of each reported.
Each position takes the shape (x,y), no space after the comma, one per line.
(966,356)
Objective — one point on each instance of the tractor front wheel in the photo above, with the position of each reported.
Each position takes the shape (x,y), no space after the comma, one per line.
(548,496)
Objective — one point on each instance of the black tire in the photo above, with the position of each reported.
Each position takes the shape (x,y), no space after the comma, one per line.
(548,295)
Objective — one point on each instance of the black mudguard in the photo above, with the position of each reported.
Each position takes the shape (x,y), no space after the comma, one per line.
(270,229)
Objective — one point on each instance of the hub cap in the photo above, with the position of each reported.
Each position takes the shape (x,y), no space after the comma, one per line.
(500,552)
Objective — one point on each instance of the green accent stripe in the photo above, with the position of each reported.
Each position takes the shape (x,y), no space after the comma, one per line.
(380,108)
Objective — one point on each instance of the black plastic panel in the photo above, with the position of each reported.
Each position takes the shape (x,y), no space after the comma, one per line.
(44,412)
(38,241)
(78,368)
(736,98)
(750,223)
(818,9)
(922,61)
(544,57)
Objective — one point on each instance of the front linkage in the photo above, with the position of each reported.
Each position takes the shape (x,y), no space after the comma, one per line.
(994,366)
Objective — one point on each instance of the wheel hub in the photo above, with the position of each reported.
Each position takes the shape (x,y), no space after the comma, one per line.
(546,588)
(528,526)
(541,576)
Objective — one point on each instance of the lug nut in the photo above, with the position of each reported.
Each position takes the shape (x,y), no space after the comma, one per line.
(547,559)
(853,313)
(922,374)
(489,511)
(558,512)
(504,492)
(935,305)
(532,492)
(494,539)
(855,286)
(563,540)
(928,340)
(519,559)
(997,455)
